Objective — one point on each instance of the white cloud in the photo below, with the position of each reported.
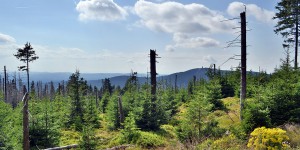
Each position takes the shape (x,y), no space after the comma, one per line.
(6,38)
(260,14)
(185,41)
(189,24)
(101,10)
(174,17)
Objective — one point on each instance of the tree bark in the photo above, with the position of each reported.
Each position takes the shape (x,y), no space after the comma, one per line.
(25,122)
(296,38)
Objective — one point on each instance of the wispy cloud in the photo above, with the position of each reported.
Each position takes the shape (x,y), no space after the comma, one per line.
(185,41)
(6,38)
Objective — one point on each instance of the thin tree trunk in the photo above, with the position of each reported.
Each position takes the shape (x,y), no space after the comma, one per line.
(25,122)
(121,113)
(296,39)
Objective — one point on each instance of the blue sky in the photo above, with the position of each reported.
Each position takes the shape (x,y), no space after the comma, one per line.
(116,35)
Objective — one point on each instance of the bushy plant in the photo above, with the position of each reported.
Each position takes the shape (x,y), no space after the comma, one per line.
(148,139)
(112,113)
(268,138)
(255,115)
(229,142)
(168,131)
(69,137)
(88,140)
(130,133)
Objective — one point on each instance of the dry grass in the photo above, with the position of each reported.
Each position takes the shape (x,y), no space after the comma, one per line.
(293,132)
(230,117)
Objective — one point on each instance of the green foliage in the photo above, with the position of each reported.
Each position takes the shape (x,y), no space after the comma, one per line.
(104,101)
(10,127)
(288,22)
(106,86)
(112,113)
(26,55)
(149,140)
(153,114)
(211,128)
(168,131)
(255,115)
(88,140)
(228,142)
(133,103)
(268,138)
(130,133)
(77,88)
(91,117)
(191,127)
(61,110)
(69,137)
(43,129)
(212,94)
(283,98)
(231,81)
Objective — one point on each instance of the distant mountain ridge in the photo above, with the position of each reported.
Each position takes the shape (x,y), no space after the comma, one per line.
(60,76)
(182,78)
(117,79)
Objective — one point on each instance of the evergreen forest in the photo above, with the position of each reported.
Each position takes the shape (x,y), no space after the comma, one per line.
(207,114)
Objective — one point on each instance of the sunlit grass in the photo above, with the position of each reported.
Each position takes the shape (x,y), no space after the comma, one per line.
(231,116)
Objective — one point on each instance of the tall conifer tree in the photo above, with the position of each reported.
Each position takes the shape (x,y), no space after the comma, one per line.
(288,24)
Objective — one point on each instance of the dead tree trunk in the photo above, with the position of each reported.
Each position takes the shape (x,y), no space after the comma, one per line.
(176,89)
(5,84)
(25,121)
(121,113)
(153,71)
(243,62)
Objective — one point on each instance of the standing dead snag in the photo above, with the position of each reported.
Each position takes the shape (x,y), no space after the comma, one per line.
(25,121)
(243,62)
(26,55)
(121,113)
(153,71)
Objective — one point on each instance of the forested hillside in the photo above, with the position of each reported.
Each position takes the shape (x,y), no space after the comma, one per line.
(205,115)
(205,109)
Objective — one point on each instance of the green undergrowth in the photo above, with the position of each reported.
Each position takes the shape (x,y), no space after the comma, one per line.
(166,137)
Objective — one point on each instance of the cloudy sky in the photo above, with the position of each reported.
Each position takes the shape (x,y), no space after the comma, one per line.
(115,36)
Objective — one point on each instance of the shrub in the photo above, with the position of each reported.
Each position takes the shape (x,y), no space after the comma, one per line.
(268,138)
(168,131)
(130,133)
(88,140)
(229,142)
(255,115)
(69,137)
(148,139)
(205,144)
